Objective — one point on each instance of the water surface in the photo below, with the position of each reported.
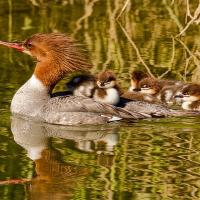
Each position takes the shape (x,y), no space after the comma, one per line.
(148,159)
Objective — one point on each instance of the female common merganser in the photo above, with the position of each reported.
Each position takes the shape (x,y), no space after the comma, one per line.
(190,96)
(56,56)
(107,90)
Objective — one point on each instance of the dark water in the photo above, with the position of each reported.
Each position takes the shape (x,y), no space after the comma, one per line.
(145,160)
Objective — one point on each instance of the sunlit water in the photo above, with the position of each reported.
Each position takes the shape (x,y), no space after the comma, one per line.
(144,160)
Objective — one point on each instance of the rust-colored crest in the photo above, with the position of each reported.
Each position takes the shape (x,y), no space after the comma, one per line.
(56,54)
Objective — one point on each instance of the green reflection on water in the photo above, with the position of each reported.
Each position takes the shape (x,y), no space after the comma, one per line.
(156,159)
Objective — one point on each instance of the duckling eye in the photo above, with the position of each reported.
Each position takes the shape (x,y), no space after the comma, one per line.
(185,93)
(107,82)
(145,86)
(76,80)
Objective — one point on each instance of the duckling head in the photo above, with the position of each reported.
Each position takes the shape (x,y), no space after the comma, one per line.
(190,93)
(149,86)
(136,77)
(106,79)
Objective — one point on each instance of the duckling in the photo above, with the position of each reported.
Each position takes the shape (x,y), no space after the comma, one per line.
(190,96)
(102,89)
(79,85)
(162,90)
(107,90)
(82,85)
(168,93)
(136,77)
(134,90)
(140,97)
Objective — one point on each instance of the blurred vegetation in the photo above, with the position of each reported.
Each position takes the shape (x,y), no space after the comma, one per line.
(151,25)
(158,160)
(145,164)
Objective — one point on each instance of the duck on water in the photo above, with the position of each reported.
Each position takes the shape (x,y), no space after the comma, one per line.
(57,55)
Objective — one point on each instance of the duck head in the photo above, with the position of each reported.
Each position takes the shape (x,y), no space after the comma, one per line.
(55,53)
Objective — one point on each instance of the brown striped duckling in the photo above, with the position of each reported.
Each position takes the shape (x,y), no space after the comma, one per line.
(190,96)
(107,90)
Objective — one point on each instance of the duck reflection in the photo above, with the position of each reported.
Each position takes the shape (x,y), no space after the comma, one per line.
(55,177)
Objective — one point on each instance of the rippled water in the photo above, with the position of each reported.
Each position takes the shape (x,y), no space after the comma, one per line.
(144,160)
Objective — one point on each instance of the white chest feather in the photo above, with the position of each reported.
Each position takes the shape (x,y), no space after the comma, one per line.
(30,97)
(131,88)
(186,105)
(112,97)
(168,95)
(35,83)
(195,105)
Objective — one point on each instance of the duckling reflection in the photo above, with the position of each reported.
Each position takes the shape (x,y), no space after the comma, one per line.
(55,177)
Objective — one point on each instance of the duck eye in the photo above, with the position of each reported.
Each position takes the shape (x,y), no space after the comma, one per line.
(29,45)
(110,79)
